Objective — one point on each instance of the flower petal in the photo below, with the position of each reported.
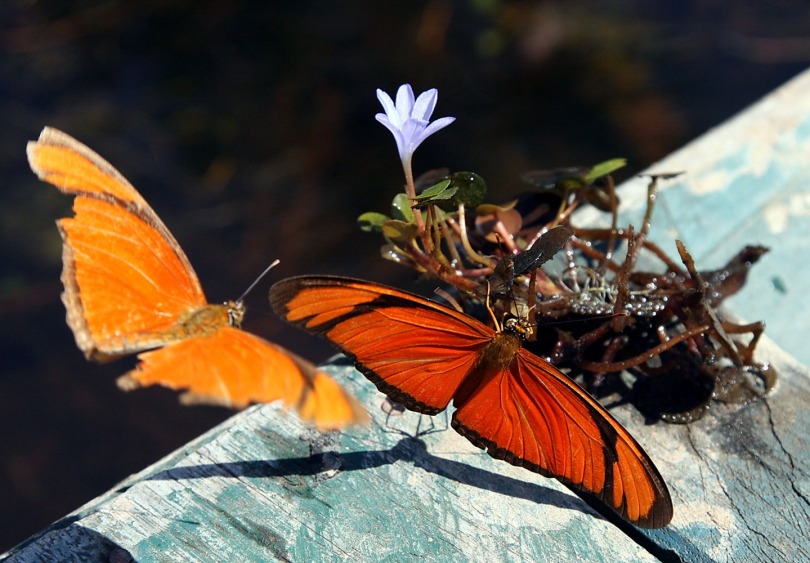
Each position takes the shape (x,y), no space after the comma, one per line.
(440,123)
(389,107)
(404,101)
(382,118)
(409,119)
(413,134)
(425,104)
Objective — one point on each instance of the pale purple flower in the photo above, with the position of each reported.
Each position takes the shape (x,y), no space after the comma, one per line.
(409,119)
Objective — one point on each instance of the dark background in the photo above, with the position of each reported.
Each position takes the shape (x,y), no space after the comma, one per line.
(249,126)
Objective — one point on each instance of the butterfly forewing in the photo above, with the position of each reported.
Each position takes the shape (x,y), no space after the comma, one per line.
(402,348)
(510,402)
(125,288)
(74,168)
(126,279)
(61,160)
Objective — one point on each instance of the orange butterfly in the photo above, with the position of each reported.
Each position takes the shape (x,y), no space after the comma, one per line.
(508,401)
(129,287)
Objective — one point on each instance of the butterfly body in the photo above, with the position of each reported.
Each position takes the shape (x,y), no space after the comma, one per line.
(499,353)
(516,406)
(496,356)
(129,288)
(204,321)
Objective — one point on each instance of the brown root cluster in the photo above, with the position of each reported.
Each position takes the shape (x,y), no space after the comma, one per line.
(605,301)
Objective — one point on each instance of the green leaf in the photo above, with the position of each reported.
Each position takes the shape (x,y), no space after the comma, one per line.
(435,191)
(471,189)
(603,169)
(435,195)
(399,232)
(372,222)
(401,208)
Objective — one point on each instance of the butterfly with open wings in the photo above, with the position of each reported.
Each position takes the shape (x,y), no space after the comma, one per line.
(508,401)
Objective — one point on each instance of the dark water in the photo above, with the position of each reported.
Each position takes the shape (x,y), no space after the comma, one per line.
(250,128)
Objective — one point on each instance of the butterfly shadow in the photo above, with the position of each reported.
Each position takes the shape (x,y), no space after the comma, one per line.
(412,449)
(69,538)
(409,449)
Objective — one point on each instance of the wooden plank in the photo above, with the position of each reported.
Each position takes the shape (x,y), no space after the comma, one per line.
(739,477)
(261,486)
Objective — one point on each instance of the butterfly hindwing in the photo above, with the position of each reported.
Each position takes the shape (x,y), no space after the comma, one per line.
(126,279)
(211,370)
(551,426)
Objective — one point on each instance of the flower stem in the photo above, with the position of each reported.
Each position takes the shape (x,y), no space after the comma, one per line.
(410,191)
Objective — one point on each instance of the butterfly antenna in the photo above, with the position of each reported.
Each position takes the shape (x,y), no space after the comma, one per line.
(257,280)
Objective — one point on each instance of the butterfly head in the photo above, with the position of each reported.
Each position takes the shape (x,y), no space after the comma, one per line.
(236,309)
(520,326)
(236,313)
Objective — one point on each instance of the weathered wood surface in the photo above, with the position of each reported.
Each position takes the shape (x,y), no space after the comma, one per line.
(747,470)
(744,182)
(262,487)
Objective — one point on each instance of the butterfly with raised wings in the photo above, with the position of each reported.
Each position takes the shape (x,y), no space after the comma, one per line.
(513,404)
(129,288)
